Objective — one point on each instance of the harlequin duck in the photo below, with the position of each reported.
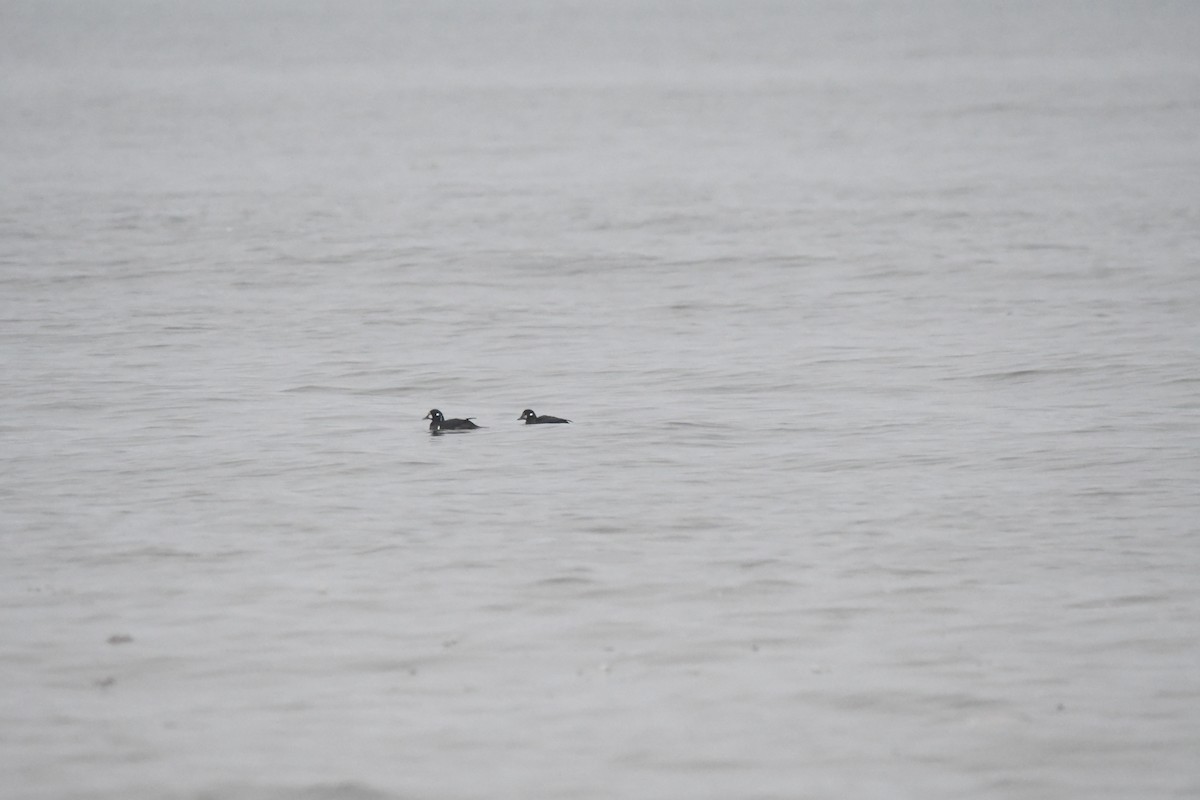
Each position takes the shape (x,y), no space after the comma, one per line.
(533,419)
(440,423)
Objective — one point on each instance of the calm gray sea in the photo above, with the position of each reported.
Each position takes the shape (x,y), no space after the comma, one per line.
(878,323)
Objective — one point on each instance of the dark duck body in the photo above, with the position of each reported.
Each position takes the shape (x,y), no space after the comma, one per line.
(533,419)
(440,423)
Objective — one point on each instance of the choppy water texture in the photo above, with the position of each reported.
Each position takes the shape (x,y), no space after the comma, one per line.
(877,322)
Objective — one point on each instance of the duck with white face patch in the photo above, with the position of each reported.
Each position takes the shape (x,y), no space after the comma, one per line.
(533,419)
(440,423)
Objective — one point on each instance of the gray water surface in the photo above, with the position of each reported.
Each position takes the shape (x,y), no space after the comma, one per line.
(877,324)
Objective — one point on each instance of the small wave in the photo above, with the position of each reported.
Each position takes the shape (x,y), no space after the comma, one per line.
(311,388)
(1025,374)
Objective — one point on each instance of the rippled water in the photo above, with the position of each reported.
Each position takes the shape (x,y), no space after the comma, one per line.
(877,325)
